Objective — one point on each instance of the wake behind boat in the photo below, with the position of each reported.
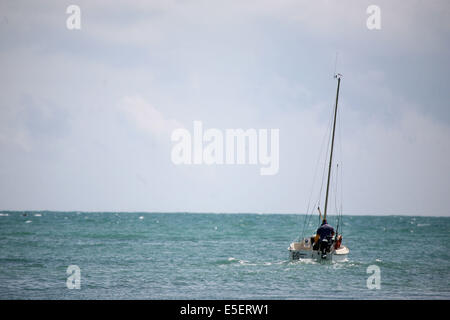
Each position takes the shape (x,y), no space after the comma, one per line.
(327,243)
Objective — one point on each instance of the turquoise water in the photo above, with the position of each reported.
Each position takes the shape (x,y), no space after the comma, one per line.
(216,256)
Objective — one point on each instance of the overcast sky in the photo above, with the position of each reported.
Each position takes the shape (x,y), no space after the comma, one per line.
(86,115)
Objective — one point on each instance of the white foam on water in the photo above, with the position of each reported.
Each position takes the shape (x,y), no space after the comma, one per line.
(304,261)
(248,263)
(241,262)
(4,214)
(141,218)
(38,215)
(28,221)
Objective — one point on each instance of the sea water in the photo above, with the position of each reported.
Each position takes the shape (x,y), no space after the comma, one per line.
(216,256)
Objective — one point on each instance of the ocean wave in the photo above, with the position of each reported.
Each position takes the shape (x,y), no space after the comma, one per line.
(423,224)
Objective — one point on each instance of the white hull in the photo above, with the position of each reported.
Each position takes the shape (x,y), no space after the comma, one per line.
(303,250)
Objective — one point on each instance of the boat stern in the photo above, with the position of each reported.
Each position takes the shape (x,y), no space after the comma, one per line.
(299,250)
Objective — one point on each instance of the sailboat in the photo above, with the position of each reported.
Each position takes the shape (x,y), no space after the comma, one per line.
(312,247)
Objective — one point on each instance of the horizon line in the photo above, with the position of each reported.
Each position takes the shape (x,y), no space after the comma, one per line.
(208,212)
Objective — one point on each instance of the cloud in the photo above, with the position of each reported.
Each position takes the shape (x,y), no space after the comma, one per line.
(402,168)
(147,118)
(31,121)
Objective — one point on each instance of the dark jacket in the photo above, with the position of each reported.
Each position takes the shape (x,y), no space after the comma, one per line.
(325,231)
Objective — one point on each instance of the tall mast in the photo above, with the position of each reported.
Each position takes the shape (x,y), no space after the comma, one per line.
(338,76)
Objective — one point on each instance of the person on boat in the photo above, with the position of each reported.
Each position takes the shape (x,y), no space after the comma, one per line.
(325,232)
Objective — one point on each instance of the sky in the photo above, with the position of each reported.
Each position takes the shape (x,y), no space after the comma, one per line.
(86,115)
